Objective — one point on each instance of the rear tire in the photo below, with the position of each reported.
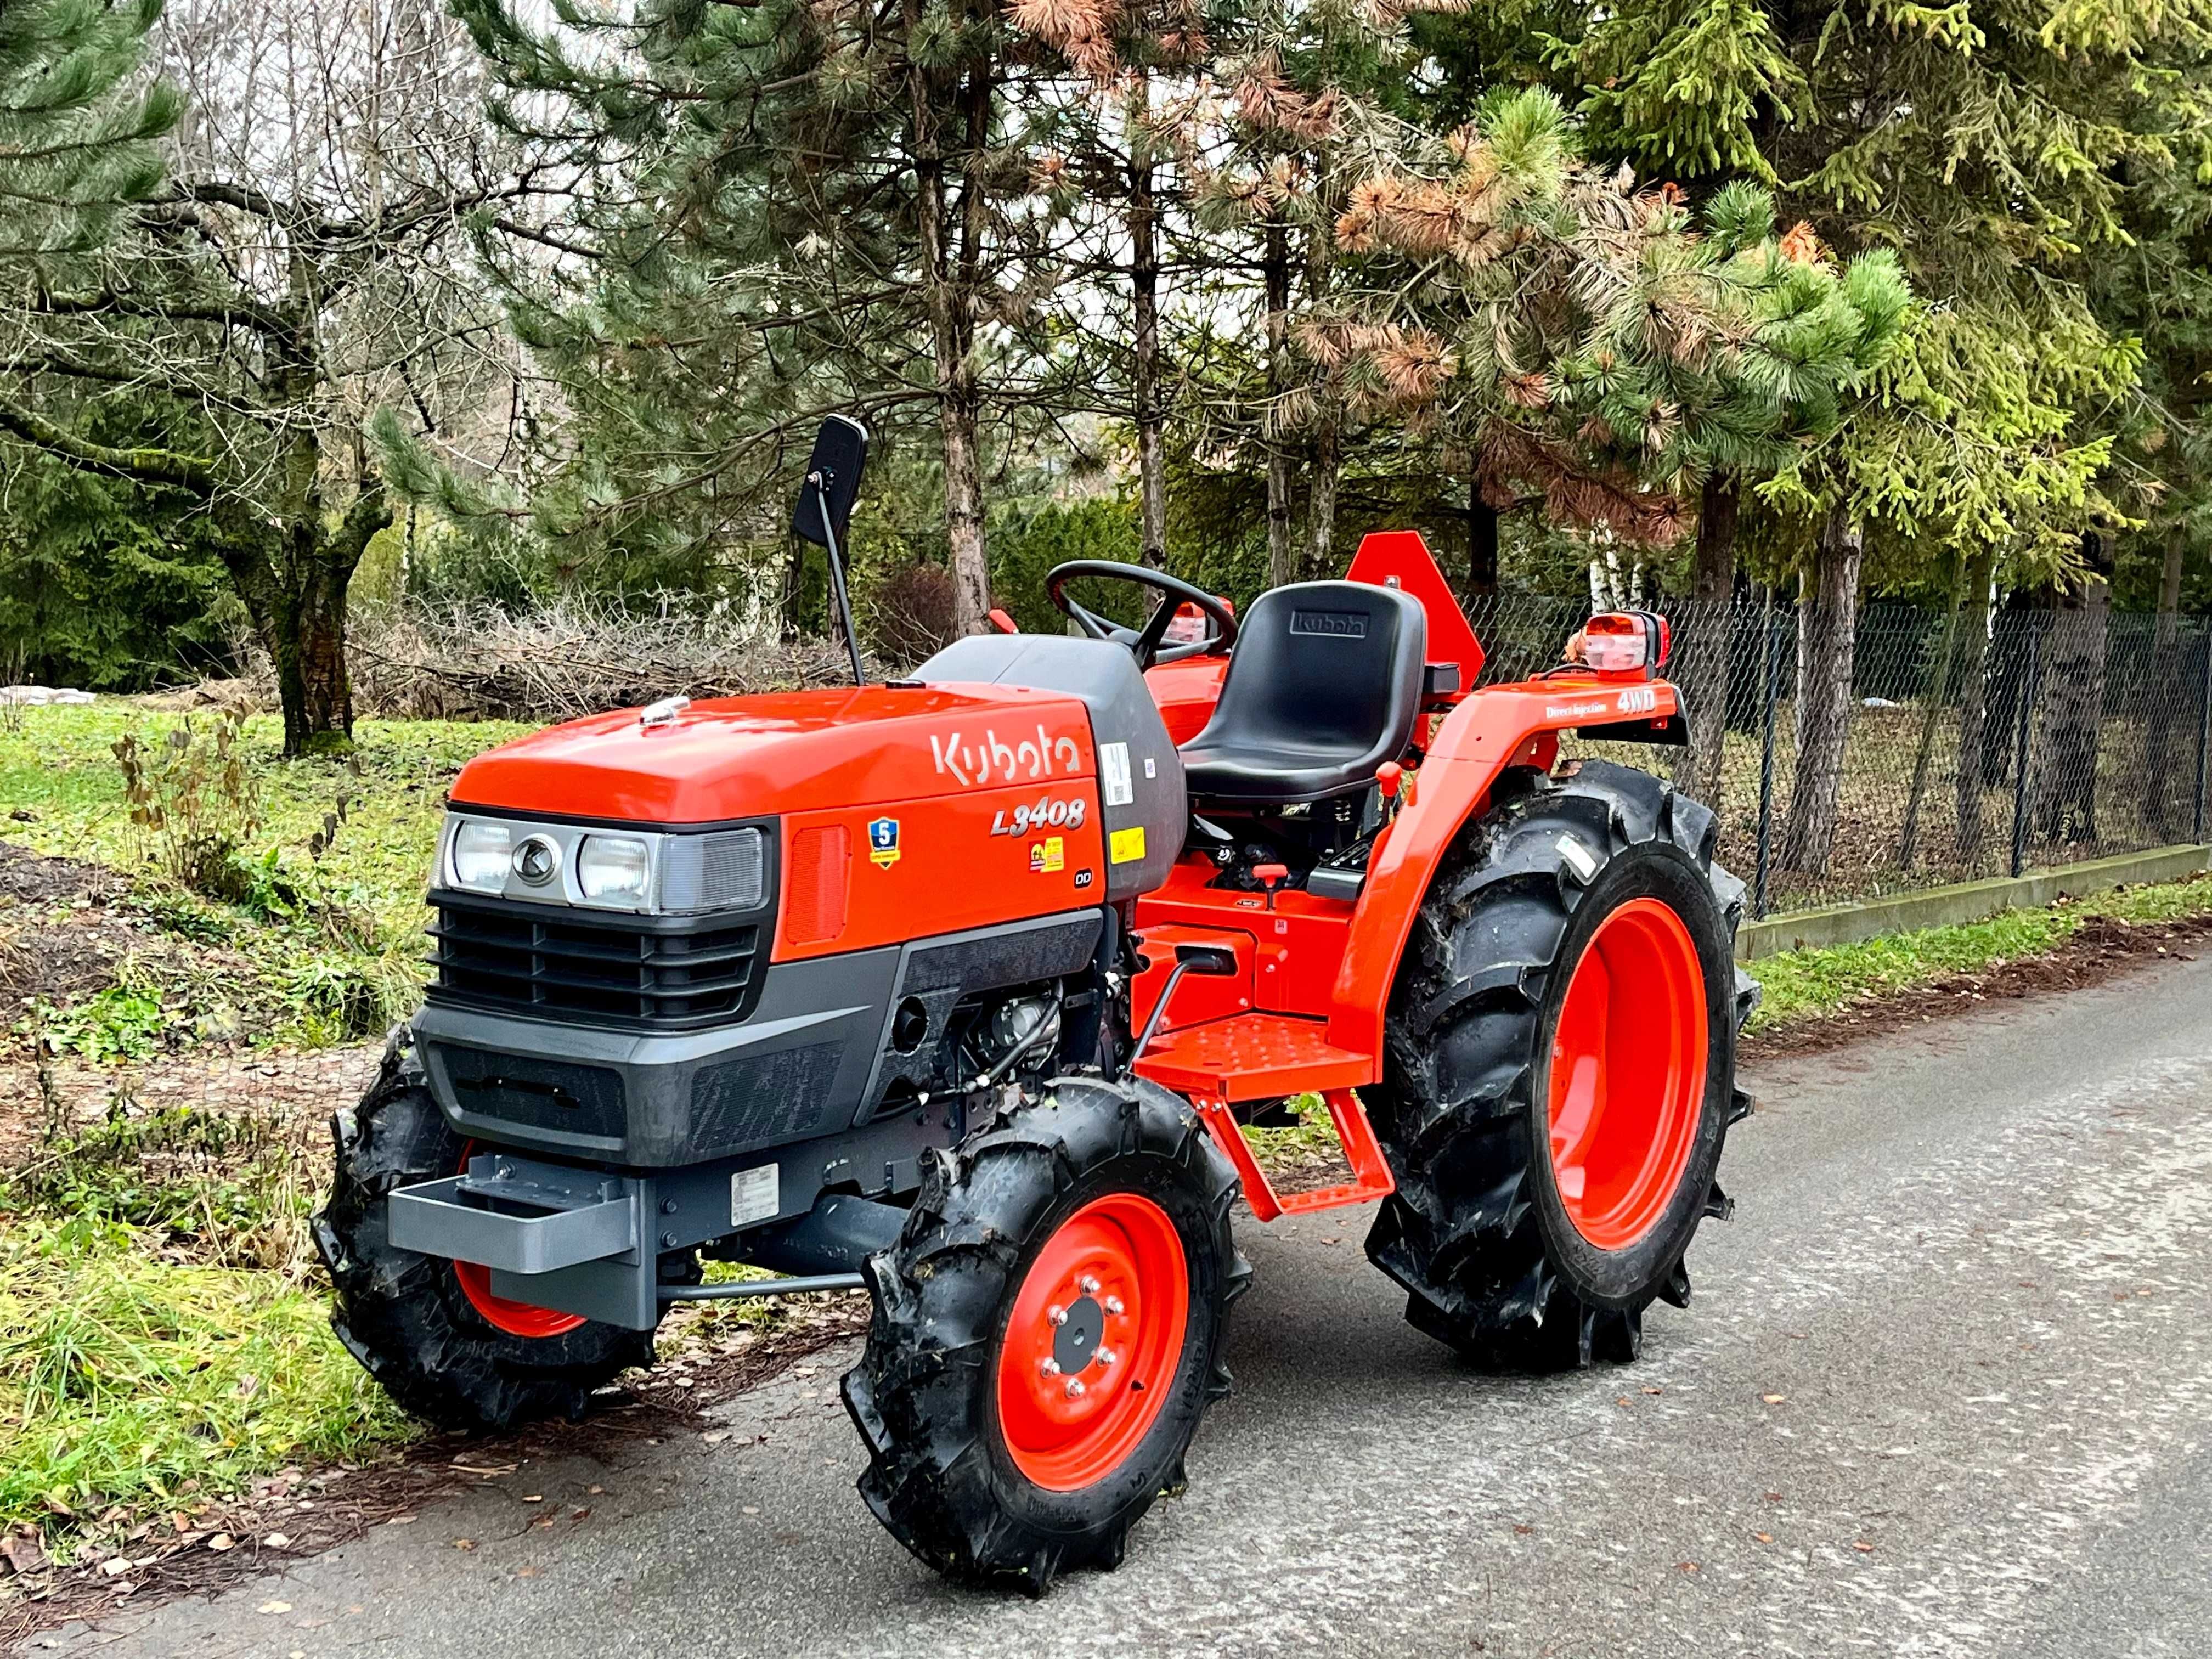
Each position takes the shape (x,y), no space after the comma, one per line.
(1108,1204)
(409,1319)
(1518,1244)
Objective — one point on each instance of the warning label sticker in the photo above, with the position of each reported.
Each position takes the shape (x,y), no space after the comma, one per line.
(1114,769)
(755,1196)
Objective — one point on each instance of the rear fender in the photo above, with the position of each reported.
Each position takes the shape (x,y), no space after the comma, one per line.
(1504,725)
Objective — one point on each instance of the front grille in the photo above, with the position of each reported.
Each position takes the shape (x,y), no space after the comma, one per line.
(554,965)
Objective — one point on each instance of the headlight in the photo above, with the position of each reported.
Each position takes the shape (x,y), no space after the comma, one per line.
(481,851)
(614,870)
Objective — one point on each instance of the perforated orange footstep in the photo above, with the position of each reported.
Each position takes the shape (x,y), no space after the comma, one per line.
(1371,1176)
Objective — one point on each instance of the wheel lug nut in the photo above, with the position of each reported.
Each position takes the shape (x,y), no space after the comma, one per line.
(1050,1367)
(1113,1304)
(1075,1389)
(1106,1356)
(1087,1284)
(1056,1314)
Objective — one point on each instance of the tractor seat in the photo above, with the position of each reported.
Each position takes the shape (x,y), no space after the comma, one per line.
(1323,687)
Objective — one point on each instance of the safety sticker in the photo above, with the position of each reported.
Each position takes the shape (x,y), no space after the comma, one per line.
(1114,768)
(755,1196)
(882,842)
(1049,856)
(1128,846)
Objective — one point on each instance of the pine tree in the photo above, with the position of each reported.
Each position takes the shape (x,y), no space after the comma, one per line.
(76,139)
(802,207)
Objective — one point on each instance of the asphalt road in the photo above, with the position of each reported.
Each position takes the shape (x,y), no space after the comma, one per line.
(1943,1390)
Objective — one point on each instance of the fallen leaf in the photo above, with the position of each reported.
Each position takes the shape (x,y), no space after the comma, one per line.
(1686,1566)
(1774,1399)
(401,1521)
(222,1542)
(1654,1391)
(117,1566)
(594,1491)
(277,1540)
(752,1508)
(1524,1530)
(581,1515)
(1862,1546)
(23,1551)
(534,1497)
(1764,1537)
(1622,1401)
(274,1606)
(526,1572)
(1774,1498)
(465,1543)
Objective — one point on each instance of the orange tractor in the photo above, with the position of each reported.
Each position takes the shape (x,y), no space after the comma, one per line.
(960,988)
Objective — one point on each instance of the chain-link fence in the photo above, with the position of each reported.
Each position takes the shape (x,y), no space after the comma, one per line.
(1915,748)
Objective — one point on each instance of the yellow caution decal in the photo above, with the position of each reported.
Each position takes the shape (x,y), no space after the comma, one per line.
(1128,846)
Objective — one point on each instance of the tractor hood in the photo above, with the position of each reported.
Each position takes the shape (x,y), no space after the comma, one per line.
(740,757)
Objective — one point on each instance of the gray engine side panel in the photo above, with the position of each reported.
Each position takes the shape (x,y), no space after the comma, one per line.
(1122,713)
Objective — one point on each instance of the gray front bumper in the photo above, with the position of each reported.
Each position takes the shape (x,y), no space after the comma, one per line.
(796,1069)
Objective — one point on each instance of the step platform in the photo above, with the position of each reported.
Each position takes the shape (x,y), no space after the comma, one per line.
(1267,1057)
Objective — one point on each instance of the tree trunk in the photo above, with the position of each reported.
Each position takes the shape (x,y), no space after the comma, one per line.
(1828,628)
(1973,680)
(1701,657)
(1145,377)
(1938,692)
(1275,272)
(1321,501)
(2168,692)
(952,233)
(1481,543)
(2066,776)
(293,584)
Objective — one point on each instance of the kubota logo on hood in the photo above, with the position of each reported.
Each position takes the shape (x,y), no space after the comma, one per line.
(995,760)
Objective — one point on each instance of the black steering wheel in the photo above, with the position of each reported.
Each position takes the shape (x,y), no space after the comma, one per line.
(1144,643)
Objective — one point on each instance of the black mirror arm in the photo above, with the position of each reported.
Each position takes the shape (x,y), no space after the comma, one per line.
(820,480)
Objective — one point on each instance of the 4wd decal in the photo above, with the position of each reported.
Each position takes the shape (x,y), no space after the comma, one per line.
(1639,699)
(1041,813)
(994,760)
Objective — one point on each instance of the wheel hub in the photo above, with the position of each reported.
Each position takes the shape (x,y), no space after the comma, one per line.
(1093,1338)
(1075,1338)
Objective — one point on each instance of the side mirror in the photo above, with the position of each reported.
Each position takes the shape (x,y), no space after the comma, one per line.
(833,481)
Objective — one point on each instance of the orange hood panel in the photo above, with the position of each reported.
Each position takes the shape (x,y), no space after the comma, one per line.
(739,757)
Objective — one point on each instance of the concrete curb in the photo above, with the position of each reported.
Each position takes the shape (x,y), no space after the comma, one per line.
(1966,901)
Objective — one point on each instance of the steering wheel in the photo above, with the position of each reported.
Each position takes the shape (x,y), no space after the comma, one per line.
(1144,643)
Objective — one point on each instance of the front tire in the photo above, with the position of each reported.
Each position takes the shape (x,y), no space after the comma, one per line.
(1047,1333)
(427,1329)
(1559,1070)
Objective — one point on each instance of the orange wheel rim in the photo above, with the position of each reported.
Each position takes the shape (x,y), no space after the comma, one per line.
(1094,1342)
(515,1318)
(1628,1075)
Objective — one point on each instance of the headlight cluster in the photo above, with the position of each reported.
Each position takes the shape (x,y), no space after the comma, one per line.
(482,853)
(563,864)
(614,869)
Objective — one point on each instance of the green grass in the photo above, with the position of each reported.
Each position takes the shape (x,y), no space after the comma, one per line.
(130,1381)
(59,766)
(316,949)
(1803,985)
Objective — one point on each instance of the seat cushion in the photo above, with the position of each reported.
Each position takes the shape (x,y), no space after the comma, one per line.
(1325,686)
